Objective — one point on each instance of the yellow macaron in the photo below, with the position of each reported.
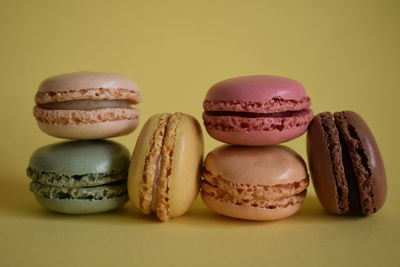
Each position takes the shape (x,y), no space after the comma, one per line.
(165,170)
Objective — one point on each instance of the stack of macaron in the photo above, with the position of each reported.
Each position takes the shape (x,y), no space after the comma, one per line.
(87,174)
(254,177)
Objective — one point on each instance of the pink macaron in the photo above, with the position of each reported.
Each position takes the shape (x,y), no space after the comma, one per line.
(256,110)
(87,105)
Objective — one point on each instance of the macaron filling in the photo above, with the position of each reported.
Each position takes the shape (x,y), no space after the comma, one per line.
(283,114)
(275,104)
(112,190)
(77,180)
(156,180)
(85,104)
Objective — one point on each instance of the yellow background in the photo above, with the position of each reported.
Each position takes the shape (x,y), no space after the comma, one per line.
(346,54)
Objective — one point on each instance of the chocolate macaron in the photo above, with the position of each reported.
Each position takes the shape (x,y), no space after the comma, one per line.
(345,164)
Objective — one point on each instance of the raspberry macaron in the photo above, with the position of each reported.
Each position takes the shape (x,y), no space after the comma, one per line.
(256,110)
(87,105)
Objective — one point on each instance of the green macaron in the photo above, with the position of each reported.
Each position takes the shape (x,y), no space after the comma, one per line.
(80,177)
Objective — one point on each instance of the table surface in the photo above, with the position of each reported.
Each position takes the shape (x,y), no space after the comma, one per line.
(33,236)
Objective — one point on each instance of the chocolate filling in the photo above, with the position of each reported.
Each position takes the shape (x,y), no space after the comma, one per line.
(291,113)
(351,178)
(85,104)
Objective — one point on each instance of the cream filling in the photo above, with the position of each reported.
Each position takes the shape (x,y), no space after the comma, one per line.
(156,180)
(85,104)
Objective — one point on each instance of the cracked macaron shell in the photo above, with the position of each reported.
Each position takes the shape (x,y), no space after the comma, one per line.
(361,157)
(251,179)
(183,176)
(79,163)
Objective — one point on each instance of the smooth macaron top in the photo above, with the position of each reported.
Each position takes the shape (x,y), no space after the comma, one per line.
(87,85)
(80,157)
(372,154)
(256,165)
(256,88)
(184,180)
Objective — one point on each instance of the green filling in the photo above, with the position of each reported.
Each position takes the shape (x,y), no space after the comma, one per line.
(108,191)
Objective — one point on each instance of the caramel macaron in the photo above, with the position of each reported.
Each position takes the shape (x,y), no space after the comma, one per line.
(254,183)
(165,170)
(87,105)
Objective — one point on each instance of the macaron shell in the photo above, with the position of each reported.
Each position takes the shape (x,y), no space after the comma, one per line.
(86,80)
(184,180)
(87,85)
(258,131)
(81,206)
(98,130)
(256,165)
(373,156)
(80,157)
(321,167)
(82,117)
(136,168)
(241,212)
(256,88)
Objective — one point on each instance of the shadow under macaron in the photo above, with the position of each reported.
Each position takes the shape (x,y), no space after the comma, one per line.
(311,212)
(17,201)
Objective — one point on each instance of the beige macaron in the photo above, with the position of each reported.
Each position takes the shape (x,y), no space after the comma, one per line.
(87,105)
(165,170)
(254,183)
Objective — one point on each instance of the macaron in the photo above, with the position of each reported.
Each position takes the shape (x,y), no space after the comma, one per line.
(254,183)
(165,171)
(256,110)
(345,164)
(80,177)
(87,105)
